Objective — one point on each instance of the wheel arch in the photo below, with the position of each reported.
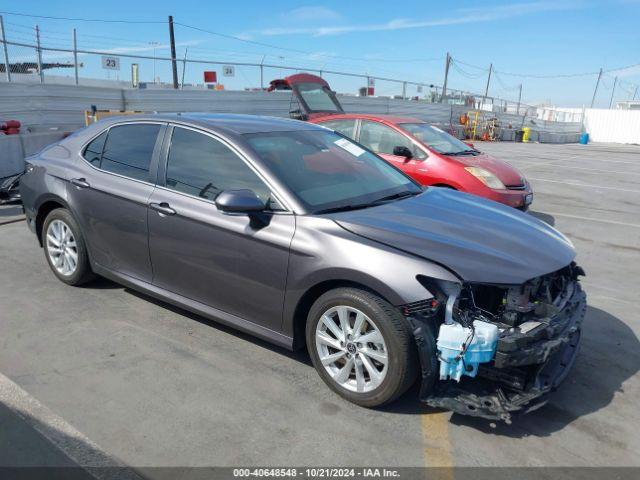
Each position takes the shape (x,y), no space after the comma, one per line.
(46,205)
(307,299)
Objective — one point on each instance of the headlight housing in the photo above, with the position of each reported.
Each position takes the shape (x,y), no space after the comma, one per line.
(486,177)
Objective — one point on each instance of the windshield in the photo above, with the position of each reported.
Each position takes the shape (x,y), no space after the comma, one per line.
(437,139)
(318,98)
(327,171)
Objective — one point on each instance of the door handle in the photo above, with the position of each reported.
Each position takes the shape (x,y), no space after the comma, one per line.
(80,182)
(162,208)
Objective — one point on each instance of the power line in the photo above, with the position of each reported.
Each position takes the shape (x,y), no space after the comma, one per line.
(465,73)
(99,20)
(503,85)
(303,52)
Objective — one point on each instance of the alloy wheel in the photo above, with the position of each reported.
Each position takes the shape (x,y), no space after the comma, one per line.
(352,349)
(62,248)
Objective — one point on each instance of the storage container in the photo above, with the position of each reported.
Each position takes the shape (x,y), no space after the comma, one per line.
(452,338)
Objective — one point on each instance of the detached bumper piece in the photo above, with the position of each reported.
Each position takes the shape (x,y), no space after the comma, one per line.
(529,363)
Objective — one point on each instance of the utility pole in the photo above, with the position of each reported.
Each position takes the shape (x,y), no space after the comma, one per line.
(404,90)
(446,76)
(154,45)
(6,52)
(174,63)
(184,66)
(596,89)
(262,73)
(75,55)
(634,93)
(40,71)
(486,90)
(519,98)
(613,91)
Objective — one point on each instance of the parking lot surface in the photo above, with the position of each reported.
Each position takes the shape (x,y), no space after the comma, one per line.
(152,385)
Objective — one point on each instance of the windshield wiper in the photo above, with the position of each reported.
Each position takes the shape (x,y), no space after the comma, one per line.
(358,206)
(343,208)
(462,152)
(395,196)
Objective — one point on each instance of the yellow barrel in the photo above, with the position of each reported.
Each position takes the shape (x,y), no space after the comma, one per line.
(526,134)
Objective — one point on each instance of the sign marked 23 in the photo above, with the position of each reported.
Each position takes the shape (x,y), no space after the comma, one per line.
(110,63)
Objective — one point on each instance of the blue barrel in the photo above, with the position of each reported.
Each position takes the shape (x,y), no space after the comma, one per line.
(584,138)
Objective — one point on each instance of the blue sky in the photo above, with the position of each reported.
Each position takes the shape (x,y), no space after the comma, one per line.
(404,39)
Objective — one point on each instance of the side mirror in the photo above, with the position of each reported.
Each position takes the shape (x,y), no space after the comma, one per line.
(239,201)
(403,152)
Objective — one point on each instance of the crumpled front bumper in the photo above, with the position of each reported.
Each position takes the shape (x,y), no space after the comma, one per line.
(525,369)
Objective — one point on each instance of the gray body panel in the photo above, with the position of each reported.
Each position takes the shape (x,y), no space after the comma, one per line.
(482,241)
(233,262)
(253,272)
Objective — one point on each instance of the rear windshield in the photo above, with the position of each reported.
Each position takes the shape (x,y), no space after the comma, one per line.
(318,97)
(434,138)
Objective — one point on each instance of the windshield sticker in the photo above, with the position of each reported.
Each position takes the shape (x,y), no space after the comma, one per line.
(352,148)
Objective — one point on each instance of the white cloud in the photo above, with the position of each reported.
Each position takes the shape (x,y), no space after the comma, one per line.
(150,48)
(460,16)
(311,13)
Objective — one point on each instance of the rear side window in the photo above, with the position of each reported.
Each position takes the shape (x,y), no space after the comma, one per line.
(128,150)
(345,127)
(202,166)
(93,151)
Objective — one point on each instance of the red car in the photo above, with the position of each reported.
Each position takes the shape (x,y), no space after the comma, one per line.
(426,153)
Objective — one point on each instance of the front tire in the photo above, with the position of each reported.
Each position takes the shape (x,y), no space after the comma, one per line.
(361,346)
(64,248)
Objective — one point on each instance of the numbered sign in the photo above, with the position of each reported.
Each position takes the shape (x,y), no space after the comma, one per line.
(228,71)
(110,63)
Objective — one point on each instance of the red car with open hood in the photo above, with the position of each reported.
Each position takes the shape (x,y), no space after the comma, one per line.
(425,152)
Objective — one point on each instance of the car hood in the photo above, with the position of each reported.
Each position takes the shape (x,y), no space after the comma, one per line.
(480,240)
(507,174)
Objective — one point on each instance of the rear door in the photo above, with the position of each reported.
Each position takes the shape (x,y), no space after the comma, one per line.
(109,192)
(346,127)
(382,139)
(233,262)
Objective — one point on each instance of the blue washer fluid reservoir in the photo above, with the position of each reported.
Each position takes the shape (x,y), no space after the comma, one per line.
(451,341)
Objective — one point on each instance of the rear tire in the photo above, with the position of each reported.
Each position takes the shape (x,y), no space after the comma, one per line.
(373,371)
(65,249)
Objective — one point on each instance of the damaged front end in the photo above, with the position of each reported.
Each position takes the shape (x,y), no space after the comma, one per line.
(495,351)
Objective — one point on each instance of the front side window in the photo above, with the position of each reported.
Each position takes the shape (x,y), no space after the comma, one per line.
(203,166)
(345,127)
(327,171)
(383,139)
(437,139)
(128,150)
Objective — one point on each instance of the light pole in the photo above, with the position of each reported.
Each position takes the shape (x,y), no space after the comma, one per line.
(154,45)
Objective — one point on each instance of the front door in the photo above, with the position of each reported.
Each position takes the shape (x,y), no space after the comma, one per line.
(382,139)
(109,192)
(235,263)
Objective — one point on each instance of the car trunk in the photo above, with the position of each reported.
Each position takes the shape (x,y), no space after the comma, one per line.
(311,96)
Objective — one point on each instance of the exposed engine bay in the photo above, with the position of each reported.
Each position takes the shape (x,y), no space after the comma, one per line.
(496,350)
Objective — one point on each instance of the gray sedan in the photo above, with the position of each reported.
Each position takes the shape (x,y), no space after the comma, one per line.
(300,236)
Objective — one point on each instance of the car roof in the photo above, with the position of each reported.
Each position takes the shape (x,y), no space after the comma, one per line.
(233,123)
(370,116)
